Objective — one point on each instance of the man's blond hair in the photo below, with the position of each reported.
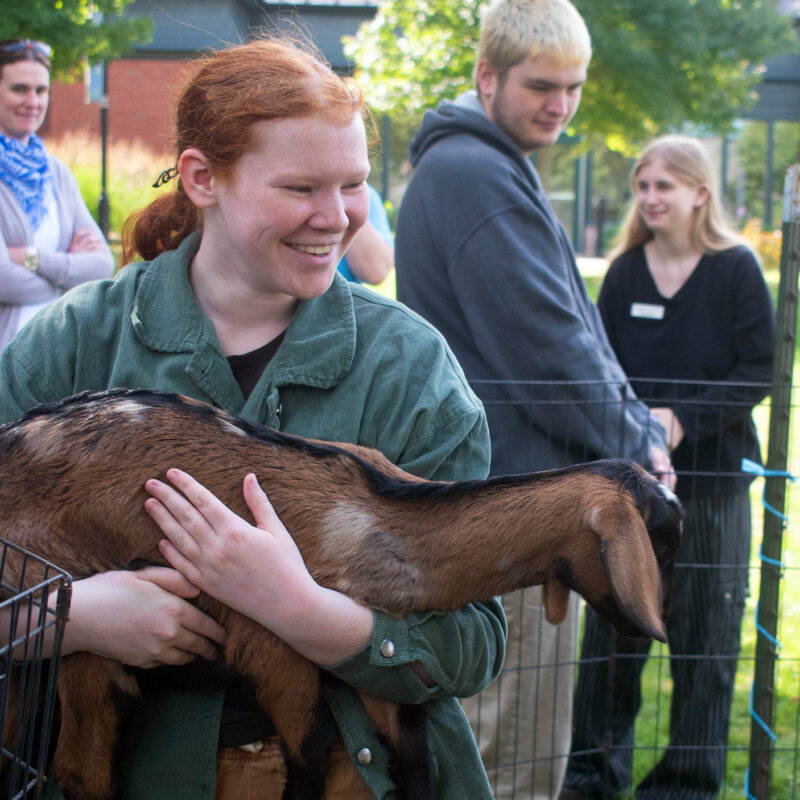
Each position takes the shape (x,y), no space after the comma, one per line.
(512,30)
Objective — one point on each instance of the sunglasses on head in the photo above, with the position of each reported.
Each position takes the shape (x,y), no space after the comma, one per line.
(12,46)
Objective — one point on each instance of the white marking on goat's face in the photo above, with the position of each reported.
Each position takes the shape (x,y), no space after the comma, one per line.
(344,529)
(667,492)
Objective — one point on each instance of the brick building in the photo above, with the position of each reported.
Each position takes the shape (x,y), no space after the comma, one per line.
(141,86)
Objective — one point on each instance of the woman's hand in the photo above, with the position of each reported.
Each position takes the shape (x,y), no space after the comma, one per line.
(671,425)
(17,255)
(85,240)
(255,569)
(141,618)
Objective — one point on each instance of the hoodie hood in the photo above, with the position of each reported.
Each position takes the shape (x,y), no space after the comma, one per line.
(464,116)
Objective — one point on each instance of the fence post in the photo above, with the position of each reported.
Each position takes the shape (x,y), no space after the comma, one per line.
(775,495)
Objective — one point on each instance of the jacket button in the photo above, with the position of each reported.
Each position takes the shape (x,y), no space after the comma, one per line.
(387,648)
(364,756)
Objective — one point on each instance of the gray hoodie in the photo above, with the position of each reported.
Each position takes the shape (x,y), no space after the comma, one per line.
(481,255)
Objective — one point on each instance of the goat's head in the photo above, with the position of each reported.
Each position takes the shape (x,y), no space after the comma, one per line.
(639,527)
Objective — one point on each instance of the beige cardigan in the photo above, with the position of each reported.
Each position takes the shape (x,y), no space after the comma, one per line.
(58,271)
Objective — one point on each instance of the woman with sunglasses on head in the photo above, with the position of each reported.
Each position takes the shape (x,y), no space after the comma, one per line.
(48,239)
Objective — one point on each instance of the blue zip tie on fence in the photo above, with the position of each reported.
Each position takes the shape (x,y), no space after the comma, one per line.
(756,469)
(766,634)
(753,468)
(758,719)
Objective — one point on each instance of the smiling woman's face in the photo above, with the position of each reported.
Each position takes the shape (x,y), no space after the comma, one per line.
(24,94)
(296,198)
(665,202)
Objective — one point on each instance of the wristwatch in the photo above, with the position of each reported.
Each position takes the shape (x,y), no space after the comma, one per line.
(32,259)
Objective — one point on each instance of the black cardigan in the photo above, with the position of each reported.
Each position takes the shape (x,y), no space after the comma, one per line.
(718,327)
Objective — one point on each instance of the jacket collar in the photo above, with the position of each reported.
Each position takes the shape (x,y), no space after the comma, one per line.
(318,349)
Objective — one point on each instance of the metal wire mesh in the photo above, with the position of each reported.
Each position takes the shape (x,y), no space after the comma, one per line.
(700,471)
(33,611)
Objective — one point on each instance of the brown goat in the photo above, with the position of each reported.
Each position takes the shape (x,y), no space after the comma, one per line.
(365,528)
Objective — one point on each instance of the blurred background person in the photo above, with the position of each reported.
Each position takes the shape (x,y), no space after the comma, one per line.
(370,258)
(685,304)
(48,239)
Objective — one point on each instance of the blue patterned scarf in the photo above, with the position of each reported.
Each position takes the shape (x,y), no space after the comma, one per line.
(25,168)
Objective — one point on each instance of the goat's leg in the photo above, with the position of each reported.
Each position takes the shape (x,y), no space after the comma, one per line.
(91,691)
(403,729)
(287,686)
(307,776)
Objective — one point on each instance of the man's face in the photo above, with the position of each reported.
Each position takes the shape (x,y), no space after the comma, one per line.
(535,99)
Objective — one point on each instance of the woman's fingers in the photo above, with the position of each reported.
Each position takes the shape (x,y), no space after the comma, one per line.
(184,535)
(193,620)
(169,580)
(137,618)
(258,502)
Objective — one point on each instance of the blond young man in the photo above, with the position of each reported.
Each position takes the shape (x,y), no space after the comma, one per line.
(481,255)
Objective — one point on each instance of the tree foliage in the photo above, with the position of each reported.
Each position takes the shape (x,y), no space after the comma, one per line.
(656,63)
(73,29)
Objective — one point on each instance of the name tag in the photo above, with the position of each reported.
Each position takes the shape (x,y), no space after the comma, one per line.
(647,311)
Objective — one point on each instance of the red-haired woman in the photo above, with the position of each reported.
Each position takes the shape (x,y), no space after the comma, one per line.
(239,305)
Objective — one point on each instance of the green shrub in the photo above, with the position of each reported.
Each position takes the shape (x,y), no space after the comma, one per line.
(131,169)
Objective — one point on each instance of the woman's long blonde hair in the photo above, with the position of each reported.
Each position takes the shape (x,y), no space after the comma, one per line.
(685,159)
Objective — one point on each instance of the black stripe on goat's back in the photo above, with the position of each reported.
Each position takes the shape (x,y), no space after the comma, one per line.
(384,485)
(91,403)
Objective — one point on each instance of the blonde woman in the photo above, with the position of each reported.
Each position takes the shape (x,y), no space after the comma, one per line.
(684,300)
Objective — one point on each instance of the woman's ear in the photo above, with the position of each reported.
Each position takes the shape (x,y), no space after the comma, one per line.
(702,197)
(196,178)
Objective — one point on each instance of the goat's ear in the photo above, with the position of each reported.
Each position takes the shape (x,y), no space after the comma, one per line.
(555,597)
(633,571)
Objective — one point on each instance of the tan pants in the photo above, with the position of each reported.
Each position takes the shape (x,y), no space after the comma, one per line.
(242,775)
(523,721)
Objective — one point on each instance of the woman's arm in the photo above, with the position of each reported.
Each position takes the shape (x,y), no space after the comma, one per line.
(256,570)
(141,618)
(18,285)
(87,256)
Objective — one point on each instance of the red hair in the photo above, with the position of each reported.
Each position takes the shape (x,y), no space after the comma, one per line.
(222,98)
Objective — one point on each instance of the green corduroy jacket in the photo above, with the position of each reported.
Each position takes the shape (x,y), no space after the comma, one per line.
(353,367)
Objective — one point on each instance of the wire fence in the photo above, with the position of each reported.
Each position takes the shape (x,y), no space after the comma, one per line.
(718,583)
(716,711)
(34,606)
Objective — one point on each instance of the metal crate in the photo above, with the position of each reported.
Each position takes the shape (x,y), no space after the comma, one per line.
(34,606)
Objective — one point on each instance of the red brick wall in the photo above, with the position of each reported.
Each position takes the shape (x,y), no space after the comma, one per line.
(140,104)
